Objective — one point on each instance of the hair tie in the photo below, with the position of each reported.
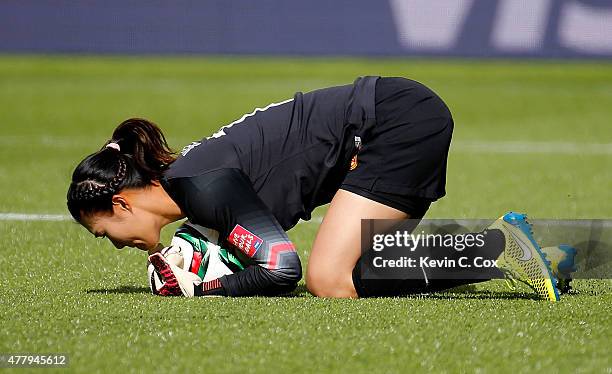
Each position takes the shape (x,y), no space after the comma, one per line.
(114,145)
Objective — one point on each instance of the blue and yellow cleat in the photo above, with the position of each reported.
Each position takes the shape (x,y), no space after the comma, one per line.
(562,263)
(522,258)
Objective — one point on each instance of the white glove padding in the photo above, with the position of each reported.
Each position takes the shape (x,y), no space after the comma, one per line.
(198,262)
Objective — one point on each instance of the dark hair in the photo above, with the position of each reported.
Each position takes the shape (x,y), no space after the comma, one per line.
(142,157)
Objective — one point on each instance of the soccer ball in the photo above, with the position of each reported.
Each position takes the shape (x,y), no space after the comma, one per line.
(200,259)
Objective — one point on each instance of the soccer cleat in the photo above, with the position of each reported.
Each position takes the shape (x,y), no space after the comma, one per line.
(177,282)
(522,258)
(562,263)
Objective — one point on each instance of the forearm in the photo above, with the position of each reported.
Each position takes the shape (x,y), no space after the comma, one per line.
(256,280)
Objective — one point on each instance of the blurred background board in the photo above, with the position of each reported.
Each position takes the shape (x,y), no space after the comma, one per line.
(478,28)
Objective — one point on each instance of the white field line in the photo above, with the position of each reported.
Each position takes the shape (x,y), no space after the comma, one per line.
(33,217)
(460,146)
(569,148)
(318,220)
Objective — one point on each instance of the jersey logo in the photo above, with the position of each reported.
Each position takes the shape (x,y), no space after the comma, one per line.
(354,162)
(245,241)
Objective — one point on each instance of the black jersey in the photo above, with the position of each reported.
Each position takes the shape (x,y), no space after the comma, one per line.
(257,176)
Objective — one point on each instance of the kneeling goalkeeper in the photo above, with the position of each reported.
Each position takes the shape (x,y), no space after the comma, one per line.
(376,148)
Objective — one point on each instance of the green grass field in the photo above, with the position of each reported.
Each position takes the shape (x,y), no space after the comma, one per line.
(64,291)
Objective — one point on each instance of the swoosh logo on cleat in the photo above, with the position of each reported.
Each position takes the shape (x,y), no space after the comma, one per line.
(524,247)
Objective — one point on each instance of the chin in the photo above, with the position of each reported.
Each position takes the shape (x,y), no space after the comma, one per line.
(150,247)
(143,246)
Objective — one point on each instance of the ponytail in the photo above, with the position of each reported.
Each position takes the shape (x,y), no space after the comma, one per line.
(137,155)
(146,144)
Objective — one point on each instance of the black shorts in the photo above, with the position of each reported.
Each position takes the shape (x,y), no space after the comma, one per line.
(402,159)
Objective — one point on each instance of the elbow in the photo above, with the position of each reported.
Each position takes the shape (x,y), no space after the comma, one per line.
(292,271)
(283,279)
(288,269)
(295,273)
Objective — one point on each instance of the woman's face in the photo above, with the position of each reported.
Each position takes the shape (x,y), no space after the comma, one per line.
(127,225)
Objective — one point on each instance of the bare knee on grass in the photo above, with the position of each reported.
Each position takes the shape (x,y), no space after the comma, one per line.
(337,246)
(325,283)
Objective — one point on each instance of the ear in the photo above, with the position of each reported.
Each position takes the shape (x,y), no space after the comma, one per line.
(121,203)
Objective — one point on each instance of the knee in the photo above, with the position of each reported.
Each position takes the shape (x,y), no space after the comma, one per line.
(328,284)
